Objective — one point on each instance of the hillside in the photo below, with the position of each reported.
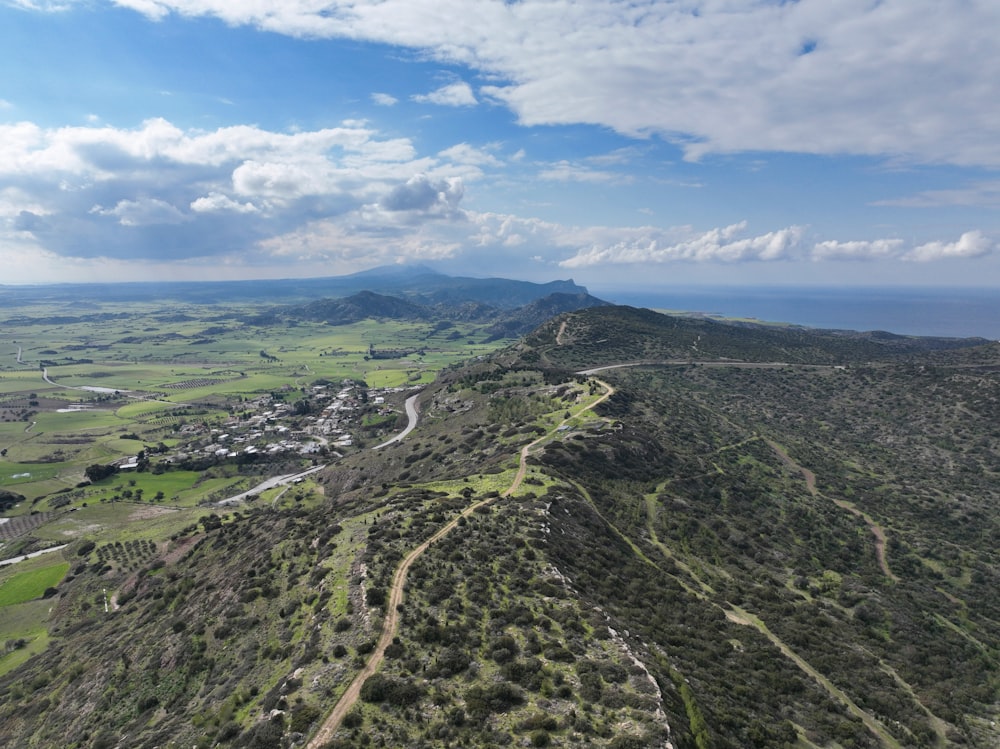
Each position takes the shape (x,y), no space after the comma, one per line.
(415,282)
(749,537)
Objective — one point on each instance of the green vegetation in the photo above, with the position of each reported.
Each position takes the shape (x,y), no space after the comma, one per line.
(26,586)
(762,538)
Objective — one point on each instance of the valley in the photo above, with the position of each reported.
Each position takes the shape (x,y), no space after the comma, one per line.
(746,537)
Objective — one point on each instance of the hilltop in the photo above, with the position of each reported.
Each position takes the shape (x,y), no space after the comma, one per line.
(747,536)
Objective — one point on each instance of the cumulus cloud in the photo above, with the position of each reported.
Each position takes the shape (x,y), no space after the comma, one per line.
(458,94)
(970,244)
(384,100)
(158,189)
(911,79)
(216,201)
(142,212)
(857,250)
(723,244)
(420,194)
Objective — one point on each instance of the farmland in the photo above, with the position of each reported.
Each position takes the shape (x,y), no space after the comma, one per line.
(187,404)
(131,377)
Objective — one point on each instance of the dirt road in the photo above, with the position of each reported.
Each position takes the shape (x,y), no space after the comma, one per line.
(875,528)
(390,624)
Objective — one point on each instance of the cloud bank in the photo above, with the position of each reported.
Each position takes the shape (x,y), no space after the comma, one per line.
(912,79)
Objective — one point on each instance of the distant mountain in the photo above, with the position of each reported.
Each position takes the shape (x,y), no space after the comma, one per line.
(417,282)
(525,319)
(507,323)
(360,306)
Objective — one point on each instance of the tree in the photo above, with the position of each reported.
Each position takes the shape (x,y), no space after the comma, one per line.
(100,471)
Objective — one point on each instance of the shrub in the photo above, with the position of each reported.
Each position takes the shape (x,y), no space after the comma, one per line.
(379,688)
(354,719)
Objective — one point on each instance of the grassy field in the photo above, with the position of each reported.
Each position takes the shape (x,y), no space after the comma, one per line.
(142,378)
(24,622)
(26,586)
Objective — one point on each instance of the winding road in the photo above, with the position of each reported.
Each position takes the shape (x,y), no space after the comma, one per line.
(412,412)
(268,484)
(391,622)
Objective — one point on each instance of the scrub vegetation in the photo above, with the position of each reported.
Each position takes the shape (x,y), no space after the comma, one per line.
(747,537)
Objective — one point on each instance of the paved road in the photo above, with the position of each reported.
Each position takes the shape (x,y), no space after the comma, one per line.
(391,622)
(14,560)
(412,412)
(270,483)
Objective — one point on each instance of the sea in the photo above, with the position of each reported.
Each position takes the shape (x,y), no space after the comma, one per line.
(922,311)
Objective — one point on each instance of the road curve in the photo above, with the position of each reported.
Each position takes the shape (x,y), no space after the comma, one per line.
(412,413)
(350,696)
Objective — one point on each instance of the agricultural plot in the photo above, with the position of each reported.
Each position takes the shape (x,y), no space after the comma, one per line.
(180,408)
(26,586)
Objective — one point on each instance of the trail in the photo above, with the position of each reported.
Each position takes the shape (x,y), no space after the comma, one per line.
(875,528)
(559,335)
(739,616)
(390,624)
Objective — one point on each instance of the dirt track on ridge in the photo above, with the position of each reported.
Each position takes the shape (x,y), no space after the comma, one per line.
(390,624)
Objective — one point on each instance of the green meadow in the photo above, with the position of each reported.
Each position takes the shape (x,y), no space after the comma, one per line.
(124,379)
(26,586)
(140,376)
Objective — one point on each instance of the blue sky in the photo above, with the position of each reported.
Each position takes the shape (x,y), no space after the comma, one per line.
(623,144)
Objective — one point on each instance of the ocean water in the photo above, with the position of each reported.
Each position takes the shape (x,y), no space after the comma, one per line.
(950,312)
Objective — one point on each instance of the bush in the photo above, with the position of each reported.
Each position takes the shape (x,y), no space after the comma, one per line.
(379,688)
(303,717)
(85,548)
(540,738)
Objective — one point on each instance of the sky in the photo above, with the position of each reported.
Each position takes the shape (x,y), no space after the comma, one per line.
(624,144)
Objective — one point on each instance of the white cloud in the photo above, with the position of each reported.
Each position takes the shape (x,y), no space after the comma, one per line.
(190,193)
(215,202)
(49,6)
(353,244)
(565,171)
(979,194)
(858,250)
(907,78)
(384,100)
(458,94)
(970,244)
(463,153)
(142,212)
(723,244)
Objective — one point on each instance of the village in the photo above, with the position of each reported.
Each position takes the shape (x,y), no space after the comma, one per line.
(325,420)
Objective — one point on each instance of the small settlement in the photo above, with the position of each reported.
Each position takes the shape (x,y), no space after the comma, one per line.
(323,420)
